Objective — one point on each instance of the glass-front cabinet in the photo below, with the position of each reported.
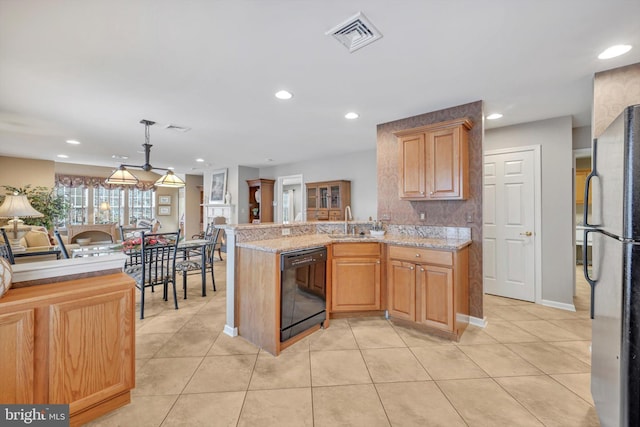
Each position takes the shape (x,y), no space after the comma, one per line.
(327,200)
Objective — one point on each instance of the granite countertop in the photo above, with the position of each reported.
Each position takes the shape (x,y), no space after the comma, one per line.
(285,244)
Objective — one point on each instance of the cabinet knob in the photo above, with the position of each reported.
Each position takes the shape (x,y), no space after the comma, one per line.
(431,193)
(417,255)
(422,193)
(421,269)
(411,268)
(378,262)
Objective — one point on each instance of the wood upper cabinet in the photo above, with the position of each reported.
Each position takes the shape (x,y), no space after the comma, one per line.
(327,200)
(260,200)
(355,277)
(429,287)
(581,180)
(434,161)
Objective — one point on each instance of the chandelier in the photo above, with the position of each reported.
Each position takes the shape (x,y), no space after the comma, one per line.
(122,176)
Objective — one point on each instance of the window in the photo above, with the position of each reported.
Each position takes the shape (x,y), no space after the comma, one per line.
(141,204)
(108,205)
(78,198)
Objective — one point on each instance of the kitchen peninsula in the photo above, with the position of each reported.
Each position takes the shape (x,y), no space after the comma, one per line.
(67,333)
(417,275)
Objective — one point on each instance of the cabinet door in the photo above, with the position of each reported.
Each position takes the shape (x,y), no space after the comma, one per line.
(355,284)
(17,357)
(581,180)
(413,167)
(444,164)
(435,296)
(401,286)
(91,349)
(312,197)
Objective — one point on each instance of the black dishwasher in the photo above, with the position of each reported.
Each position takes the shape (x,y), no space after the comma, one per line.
(302,290)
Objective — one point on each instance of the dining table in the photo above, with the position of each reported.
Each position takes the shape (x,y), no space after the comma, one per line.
(185,246)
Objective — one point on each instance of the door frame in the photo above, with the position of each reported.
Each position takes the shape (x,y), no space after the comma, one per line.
(537,200)
(578,153)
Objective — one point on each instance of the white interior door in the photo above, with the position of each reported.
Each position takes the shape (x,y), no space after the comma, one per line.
(509,234)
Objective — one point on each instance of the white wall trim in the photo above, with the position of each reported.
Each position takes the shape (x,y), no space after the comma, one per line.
(537,190)
(560,305)
(476,321)
(232,332)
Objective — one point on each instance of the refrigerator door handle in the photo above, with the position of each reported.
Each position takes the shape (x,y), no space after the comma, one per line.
(594,172)
(585,269)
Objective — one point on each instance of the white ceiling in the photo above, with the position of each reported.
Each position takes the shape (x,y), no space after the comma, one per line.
(91,70)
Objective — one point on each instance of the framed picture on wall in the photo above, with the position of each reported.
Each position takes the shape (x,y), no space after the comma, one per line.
(164,200)
(218,186)
(164,210)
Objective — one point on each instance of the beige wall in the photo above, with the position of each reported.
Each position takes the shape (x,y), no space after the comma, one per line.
(613,90)
(554,137)
(440,213)
(19,172)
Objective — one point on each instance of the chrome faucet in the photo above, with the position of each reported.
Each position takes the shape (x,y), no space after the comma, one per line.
(347,217)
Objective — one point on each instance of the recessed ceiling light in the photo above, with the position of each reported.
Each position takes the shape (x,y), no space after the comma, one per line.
(494,116)
(63,156)
(351,115)
(170,168)
(283,94)
(199,160)
(613,51)
(72,142)
(119,157)
(269,160)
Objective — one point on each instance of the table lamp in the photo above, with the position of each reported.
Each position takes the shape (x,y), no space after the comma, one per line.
(15,206)
(105,207)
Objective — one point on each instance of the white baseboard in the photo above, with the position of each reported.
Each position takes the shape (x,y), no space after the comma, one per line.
(476,321)
(232,332)
(560,305)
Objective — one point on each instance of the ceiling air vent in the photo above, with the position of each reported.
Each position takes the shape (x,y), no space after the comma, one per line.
(177,128)
(355,32)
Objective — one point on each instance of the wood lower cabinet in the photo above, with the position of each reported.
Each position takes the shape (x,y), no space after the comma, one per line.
(429,287)
(581,180)
(70,343)
(355,277)
(434,161)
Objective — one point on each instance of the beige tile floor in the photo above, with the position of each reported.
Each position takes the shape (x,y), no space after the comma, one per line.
(529,367)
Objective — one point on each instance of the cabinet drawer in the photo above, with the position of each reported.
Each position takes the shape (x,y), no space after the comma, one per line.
(420,256)
(356,249)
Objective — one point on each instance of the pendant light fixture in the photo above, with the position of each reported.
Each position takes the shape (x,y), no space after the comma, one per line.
(122,176)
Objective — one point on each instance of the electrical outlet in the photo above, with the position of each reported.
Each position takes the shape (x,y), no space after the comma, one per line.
(286,231)
(469,217)
(385,217)
(422,217)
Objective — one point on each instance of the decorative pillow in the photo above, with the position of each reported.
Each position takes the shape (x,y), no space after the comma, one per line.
(37,238)
(5,276)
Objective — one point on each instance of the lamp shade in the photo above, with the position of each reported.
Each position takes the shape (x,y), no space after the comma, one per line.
(104,206)
(170,180)
(18,206)
(122,176)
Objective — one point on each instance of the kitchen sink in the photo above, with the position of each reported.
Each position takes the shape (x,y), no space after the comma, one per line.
(351,236)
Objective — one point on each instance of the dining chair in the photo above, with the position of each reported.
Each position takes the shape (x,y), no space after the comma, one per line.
(191,263)
(130,232)
(5,248)
(157,265)
(61,246)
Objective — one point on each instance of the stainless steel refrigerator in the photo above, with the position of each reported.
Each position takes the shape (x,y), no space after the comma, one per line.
(615,275)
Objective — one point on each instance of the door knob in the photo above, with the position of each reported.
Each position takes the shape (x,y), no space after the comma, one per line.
(528,234)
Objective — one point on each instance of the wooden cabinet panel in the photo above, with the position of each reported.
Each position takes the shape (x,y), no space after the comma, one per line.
(581,180)
(260,206)
(356,249)
(435,299)
(402,292)
(355,284)
(418,255)
(91,349)
(413,166)
(434,161)
(17,357)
